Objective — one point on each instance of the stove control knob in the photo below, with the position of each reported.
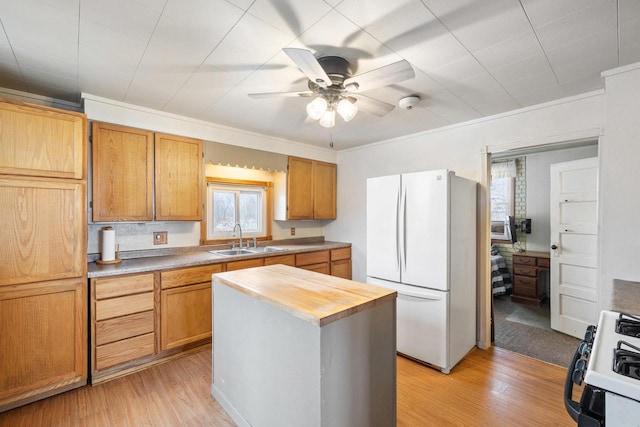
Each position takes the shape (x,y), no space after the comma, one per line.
(584,348)
(579,371)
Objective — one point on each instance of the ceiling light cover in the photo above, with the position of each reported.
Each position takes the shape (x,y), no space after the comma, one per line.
(316,108)
(347,109)
(328,119)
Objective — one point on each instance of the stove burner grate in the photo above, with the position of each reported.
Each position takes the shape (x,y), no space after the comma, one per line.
(628,325)
(626,361)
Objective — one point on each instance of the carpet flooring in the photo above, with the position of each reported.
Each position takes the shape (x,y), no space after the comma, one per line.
(526,330)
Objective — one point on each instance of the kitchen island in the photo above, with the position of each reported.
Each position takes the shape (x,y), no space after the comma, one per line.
(298,348)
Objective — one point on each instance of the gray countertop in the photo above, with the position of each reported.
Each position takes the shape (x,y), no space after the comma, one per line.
(189,257)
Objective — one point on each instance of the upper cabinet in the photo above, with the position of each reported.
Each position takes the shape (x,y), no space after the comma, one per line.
(126,161)
(178,178)
(324,190)
(122,173)
(310,191)
(41,141)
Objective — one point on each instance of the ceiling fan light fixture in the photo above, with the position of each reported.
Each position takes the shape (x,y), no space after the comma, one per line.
(316,108)
(347,109)
(328,119)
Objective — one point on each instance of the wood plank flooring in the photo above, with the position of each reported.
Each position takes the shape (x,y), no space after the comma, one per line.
(488,388)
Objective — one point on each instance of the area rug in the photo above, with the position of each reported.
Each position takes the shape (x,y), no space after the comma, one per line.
(521,330)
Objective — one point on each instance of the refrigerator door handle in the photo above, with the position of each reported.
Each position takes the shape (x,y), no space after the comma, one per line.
(429,296)
(403,214)
(398,230)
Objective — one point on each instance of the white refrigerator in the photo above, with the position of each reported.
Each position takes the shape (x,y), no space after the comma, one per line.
(421,242)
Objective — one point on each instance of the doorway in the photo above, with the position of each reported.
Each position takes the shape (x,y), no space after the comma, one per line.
(519,327)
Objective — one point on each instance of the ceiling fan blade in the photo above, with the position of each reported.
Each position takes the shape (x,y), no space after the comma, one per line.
(309,65)
(280,94)
(383,76)
(373,106)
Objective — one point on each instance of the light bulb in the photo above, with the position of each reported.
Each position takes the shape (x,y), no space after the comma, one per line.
(316,108)
(328,119)
(347,109)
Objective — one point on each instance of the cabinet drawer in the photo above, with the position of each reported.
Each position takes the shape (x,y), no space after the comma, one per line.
(124,351)
(281,259)
(323,267)
(524,270)
(543,262)
(525,289)
(525,260)
(110,287)
(312,258)
(122,306)
(522,280)
(239,265)
(342,253)
(124,327)
(188,276)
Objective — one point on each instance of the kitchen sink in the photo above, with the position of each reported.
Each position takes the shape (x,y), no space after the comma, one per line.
(263,249)
(233,252)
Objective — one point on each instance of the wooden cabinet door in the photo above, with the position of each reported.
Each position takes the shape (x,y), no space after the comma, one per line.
(324,190)
(341,268)
(185,315)
(43,344)
(122,173)
(43,234)
(300,189)
(42,141)
(178,178)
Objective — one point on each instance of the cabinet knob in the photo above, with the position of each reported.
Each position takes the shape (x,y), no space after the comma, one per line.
(554,247)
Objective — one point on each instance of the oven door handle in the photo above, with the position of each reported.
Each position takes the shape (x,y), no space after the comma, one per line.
(573,408)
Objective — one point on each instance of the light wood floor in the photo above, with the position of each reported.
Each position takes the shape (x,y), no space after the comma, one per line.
(488,388)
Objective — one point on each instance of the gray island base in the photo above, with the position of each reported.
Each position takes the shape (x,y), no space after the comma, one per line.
(297,348)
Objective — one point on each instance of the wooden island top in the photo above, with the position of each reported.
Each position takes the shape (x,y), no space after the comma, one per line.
(316,298)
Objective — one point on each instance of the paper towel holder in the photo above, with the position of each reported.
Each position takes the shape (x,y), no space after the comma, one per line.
(117,258)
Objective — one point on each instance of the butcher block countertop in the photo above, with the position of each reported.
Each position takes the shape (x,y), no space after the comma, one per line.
(316,298)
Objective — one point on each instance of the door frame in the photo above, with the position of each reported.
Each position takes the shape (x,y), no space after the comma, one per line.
(484,223)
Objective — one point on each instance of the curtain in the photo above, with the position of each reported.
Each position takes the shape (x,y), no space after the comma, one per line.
(504,169)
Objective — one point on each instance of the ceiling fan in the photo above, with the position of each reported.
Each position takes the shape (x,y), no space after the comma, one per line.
(334,89)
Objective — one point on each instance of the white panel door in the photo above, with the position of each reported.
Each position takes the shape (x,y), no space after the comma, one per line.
(424,228)
(383,252)
(574,237)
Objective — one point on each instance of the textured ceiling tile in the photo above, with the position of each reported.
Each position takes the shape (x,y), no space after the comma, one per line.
(479,25)
(290,17)
(125,16)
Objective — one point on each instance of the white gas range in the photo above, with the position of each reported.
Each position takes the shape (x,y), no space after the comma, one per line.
(608,361)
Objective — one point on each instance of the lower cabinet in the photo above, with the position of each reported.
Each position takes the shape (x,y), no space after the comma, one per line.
(43,345)
(185,315)
(124,314)
(140,319)
(314,261)
(341,263)
(185,305)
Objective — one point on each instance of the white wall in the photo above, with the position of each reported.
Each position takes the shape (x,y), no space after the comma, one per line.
(538,187)
(458,148)
(619,207)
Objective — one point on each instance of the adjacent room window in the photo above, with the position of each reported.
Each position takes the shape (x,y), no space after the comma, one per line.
(502,198)
(229,203)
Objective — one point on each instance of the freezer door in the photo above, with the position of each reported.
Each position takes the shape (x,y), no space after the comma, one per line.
(422,323)
(424,210)
(383,256)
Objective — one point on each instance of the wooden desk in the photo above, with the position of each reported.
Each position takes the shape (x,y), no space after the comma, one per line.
(528,282)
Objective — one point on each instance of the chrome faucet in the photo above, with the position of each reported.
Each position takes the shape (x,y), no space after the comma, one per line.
(234,233)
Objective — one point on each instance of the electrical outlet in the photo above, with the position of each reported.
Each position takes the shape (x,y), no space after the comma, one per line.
(293,231)
(159,237)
